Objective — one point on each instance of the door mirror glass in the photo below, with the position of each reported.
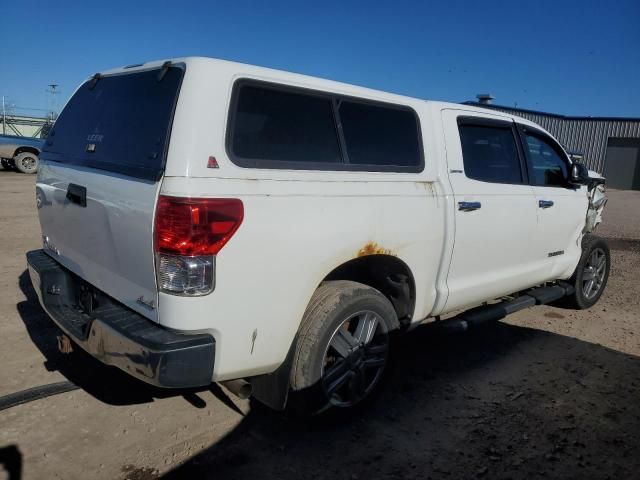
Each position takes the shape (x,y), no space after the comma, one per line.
(579,174)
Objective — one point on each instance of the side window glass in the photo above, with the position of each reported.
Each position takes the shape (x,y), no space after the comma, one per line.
(286,127)
(549,168)
(490,154)
(381,136)
(279,126)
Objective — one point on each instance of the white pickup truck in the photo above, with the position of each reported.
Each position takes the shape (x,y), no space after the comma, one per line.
(208,221)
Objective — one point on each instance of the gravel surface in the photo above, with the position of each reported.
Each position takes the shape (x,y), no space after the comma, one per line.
(546,393)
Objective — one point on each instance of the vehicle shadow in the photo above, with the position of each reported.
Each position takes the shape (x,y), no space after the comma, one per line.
(105,383)
(499,402)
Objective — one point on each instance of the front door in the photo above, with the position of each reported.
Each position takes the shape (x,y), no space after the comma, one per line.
(495,210)
(561,207)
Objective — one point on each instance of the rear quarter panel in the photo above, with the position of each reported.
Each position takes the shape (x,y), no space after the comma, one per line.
(293,235)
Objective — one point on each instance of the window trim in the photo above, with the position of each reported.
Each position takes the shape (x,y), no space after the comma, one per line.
(335,100)
(523,130)
(468,120)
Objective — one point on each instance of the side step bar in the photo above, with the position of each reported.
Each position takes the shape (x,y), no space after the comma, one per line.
(497,311)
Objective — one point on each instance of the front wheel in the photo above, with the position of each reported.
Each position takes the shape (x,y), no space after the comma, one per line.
(342,347)
(26,162)
(591,275)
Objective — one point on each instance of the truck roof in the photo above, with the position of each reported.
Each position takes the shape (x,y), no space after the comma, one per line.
(307,81)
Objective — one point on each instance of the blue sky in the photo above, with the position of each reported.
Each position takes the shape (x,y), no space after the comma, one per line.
(569,57)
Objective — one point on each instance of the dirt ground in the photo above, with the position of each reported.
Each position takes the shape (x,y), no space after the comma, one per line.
(546,393)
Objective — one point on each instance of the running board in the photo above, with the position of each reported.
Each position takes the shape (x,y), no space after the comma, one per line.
(497,311)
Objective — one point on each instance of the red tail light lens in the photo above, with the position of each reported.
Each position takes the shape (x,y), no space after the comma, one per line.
(195,226)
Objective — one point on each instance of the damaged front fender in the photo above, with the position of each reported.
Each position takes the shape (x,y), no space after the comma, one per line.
(597,201)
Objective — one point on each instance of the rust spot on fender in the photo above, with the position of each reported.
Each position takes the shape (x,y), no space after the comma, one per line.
(372,248)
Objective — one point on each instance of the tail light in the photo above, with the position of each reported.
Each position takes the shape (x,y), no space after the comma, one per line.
(189,232)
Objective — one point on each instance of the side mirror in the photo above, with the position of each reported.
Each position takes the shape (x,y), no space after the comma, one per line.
(576,157)
(579,174)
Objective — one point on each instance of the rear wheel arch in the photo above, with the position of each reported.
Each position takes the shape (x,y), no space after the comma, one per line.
(386,273)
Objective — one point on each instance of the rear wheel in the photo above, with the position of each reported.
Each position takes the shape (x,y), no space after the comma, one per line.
(591,275)
(26,162)
(342,348)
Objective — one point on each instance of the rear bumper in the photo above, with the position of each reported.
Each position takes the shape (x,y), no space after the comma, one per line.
(118,336)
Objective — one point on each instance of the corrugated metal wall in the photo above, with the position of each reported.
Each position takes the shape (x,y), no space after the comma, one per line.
(585,135)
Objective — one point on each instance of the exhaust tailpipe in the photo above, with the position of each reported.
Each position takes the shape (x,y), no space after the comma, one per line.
(240,388)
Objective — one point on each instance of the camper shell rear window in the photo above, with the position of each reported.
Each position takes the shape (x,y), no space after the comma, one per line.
(118,123)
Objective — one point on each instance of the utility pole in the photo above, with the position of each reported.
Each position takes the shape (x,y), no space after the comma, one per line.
(53,91)
(4,118)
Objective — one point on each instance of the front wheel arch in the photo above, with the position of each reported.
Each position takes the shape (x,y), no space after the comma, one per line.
(20,150)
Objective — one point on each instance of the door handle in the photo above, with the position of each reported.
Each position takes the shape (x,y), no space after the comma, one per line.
(469,206)
(77,194)
(545,203)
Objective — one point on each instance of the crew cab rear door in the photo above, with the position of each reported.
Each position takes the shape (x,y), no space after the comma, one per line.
(99,178)
(495,214)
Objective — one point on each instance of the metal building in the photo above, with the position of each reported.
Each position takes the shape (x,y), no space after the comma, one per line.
(610,145)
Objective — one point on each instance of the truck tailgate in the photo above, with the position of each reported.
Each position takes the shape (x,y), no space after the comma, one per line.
(109,242)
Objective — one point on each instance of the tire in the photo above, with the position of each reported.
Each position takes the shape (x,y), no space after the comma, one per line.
(5,164)
(26,162)
(342,347)
(591,275)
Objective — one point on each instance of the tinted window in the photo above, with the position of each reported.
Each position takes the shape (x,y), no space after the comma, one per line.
(376,135)
(120,123)
(490,154)
(281,126)
(549,169)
